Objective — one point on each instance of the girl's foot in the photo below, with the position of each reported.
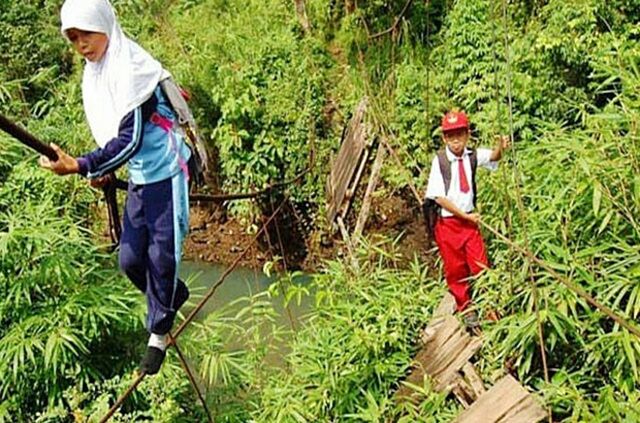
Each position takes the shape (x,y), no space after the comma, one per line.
(152,360)
(154,356)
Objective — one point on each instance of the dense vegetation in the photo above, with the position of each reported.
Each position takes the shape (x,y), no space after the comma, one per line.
(269,96)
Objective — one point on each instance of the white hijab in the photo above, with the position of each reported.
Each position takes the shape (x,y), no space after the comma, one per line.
(122,80)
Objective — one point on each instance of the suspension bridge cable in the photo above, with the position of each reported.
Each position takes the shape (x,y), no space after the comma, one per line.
(223,277)
(519,201)
(497,129)
(192,379)
(219,198)
(286,270)
(396,22)
(572,286)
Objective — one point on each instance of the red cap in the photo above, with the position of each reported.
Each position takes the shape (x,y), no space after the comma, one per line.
(454,120)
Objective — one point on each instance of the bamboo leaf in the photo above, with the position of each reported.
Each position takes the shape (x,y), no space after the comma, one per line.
(605,222)
(597,198)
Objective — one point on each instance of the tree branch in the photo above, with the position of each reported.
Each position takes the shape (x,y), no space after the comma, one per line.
(395,24)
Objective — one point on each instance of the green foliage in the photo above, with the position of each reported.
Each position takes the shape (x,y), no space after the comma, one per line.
(32,49)
(58,311)
(573,66)
(579,190)
(157,400)
(355,346)
(269,97)
(261,103)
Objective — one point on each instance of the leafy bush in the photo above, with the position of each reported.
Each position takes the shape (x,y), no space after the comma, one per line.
(59,309)
(260,102)
(33,50)
(582,197)
(356,346)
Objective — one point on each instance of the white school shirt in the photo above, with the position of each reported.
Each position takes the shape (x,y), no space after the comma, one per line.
(462,200)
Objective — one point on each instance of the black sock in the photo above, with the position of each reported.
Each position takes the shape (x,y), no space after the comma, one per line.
(152,360)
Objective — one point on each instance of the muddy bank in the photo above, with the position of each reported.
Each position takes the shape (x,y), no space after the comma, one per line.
(217,238)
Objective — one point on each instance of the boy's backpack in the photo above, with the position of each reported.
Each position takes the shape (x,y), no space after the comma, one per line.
(431,209)
(188,125)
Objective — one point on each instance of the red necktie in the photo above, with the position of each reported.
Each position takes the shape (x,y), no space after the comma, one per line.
(464,183)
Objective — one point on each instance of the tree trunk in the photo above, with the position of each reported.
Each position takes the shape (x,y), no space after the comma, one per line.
(301,11)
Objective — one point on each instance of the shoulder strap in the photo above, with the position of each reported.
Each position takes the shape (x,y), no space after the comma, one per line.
(188,124)
(445,169)
(473,158)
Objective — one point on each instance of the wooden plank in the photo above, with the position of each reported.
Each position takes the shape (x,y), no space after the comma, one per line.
(528,410)
(346,162)
(446,307)
(429,333)
(441,330)
(445,329)
(432,354)
(468,386)
(348,197)
(445,359)
(470,374)
(345,145)
(450,373)
(446,351)
(507,399)
(454,352)
(381,154)
(350,150)
(463,393)
(355,160)
(495,403)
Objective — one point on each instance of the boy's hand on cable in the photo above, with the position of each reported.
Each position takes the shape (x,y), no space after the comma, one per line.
(65,164)
(503,142)
(473,217)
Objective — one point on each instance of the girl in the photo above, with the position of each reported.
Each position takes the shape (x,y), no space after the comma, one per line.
(133,123)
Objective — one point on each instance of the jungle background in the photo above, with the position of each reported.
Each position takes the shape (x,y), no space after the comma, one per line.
(272,89)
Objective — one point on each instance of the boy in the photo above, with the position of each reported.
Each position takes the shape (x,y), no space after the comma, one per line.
(452,187)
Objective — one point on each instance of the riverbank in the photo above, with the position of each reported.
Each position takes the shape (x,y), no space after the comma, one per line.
(218,238)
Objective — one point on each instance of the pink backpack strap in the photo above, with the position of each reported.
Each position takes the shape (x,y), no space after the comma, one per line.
(166,125)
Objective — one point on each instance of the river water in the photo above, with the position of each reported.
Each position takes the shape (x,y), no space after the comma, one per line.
(240,283)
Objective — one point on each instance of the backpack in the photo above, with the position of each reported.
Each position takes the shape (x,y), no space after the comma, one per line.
(176,97)
(431,209)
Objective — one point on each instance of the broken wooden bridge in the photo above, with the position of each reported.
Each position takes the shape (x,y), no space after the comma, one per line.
(445,358)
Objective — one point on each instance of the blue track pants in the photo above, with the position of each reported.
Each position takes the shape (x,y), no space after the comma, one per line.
(156,220)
